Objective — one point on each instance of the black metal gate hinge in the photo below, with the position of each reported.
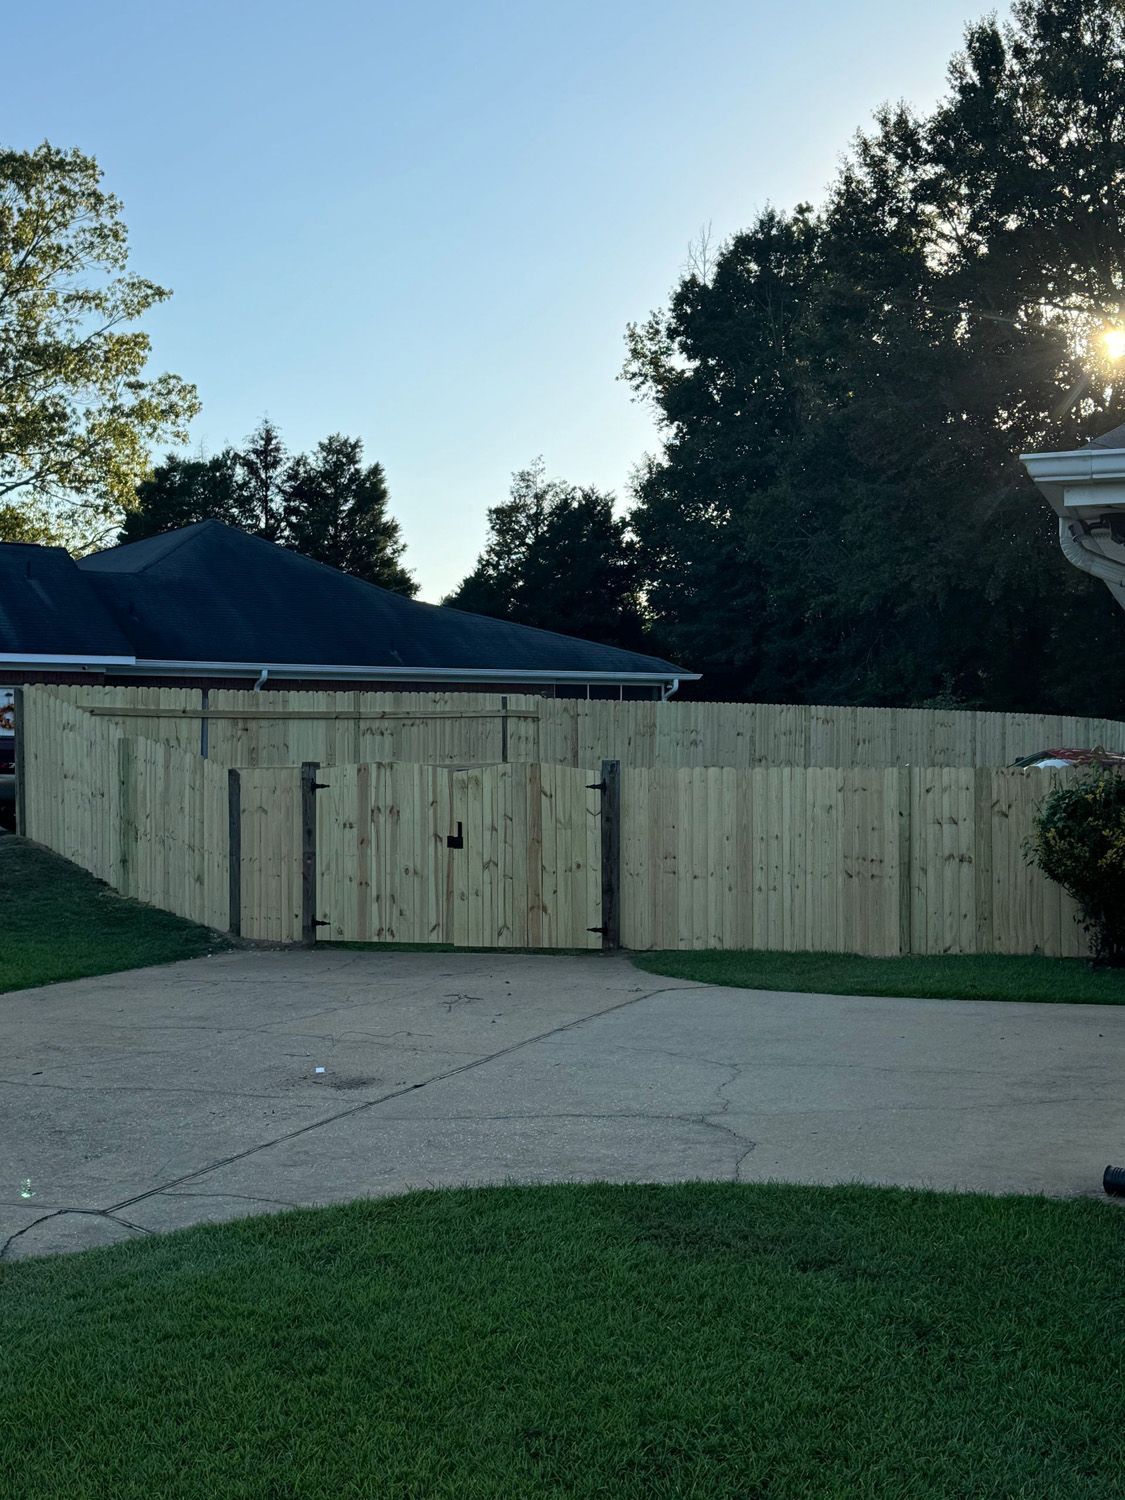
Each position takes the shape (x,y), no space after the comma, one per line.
(595,786)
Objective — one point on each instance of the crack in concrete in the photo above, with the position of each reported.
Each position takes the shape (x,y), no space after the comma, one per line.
(61,1213)
(397,1093)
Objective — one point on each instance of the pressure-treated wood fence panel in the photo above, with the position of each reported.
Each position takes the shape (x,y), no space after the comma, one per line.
(160,725)
(70,780)
(147,818)
(471,729)
(761,734)
(527,873)
(428,728)
(270,840)
(173,828)
(779,858)
(880,862)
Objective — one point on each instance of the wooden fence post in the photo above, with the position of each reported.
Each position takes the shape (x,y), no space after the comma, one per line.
(611,854)
(309,768)
(234,825)
(21,762)
(504,727)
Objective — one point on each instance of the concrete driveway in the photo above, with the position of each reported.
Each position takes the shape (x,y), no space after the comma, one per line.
(251,1081)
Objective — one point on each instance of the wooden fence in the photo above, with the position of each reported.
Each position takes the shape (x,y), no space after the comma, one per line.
(147,818)
(879,861)
(498,856)
(908,860)
(276,728)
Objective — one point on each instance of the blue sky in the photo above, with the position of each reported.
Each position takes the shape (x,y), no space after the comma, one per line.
(427,224)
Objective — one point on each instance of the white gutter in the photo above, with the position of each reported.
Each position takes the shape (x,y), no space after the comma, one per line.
(47,659)
(1075,465)
(160,668)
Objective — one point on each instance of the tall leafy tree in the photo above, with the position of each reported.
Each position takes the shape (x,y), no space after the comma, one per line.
(336,511)
(559,558)
(839,511)
(77,413)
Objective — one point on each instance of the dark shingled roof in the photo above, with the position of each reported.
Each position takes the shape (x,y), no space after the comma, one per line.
(48,608)
(209,592)
(1114,438)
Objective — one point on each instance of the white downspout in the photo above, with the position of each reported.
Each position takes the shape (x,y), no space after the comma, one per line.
(1077,551)
(666,693)
(261,682)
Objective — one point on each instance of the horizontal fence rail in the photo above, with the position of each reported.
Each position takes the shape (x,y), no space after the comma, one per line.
(876,860)
(275,728)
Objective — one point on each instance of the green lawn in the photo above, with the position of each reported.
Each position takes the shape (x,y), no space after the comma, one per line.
(956,977)
(704,1340)
(57,922)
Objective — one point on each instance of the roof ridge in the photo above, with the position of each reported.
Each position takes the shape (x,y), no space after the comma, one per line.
(187,532)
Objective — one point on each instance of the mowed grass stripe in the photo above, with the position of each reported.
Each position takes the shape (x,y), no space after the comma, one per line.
(702,1340)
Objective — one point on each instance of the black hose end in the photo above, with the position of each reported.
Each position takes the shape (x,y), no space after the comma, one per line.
(1113,1180)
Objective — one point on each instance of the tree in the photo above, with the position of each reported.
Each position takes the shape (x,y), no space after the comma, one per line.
(183,490)
(76,413)
(839,512)
(262,463)
(327,505)
(559,558)
(335,511)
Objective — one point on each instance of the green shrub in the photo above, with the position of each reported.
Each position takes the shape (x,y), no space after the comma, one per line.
(1078,840)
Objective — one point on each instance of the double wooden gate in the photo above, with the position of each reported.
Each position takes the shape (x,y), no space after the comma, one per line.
(506,856)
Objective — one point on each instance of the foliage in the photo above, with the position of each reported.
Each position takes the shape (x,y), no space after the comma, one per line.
(183,490)
(335,511)
(1078,840)
(76,413)
(557,557)
(327,505)
(839,513)
(706,1339)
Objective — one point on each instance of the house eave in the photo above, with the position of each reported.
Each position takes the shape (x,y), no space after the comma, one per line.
(132,666)
(372,673)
